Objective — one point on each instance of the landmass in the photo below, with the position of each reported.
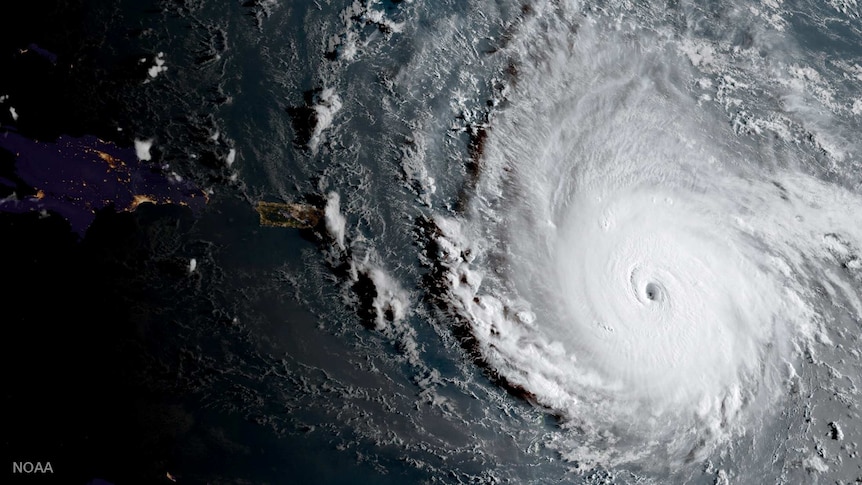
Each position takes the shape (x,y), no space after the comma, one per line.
(293,215)
(76,177)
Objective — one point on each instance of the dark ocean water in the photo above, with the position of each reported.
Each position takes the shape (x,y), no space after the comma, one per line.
(458,156)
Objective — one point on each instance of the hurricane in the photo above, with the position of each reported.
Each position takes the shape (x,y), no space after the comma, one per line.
(656,231)
(642,272)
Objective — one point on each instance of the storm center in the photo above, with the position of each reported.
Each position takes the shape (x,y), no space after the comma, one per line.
(652,291)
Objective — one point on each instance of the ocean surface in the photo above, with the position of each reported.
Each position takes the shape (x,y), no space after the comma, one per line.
(550,242)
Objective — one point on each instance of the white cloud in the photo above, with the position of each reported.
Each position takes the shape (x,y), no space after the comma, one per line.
(142,149)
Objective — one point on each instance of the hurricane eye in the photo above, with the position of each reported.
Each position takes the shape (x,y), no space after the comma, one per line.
(652,292)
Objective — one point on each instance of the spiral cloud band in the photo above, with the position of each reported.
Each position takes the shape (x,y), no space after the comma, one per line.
(633,263)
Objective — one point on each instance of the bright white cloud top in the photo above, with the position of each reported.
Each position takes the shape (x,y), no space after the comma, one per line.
(640,269)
